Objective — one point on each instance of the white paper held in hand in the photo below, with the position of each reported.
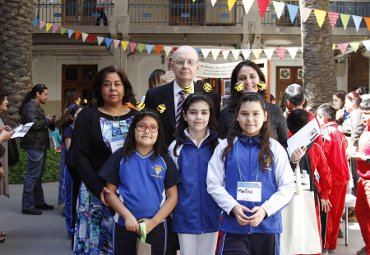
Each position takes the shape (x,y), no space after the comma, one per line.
(21,130)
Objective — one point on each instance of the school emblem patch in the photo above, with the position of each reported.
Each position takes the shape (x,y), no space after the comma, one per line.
(158,169)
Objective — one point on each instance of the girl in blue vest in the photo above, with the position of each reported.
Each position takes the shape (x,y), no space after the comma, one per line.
(250,178)
(142,183)
(196,217)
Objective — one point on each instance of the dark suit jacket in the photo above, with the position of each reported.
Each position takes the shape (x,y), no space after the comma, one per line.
(164,95)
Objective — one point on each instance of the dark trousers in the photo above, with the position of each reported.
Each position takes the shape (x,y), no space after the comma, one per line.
(244,244)
(173,240)
(101,16)
(125,241)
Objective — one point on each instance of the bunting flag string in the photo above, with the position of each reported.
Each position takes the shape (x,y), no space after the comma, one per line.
(344,47)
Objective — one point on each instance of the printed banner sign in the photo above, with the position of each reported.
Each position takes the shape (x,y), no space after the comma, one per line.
(210,70)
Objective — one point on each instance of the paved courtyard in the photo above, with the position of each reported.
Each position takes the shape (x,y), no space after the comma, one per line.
(46,234)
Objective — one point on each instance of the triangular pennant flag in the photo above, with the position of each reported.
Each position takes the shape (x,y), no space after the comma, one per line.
(333,48)
(213,2)
(279,8)
(124,45)
(280,52)
(293,11)
(48,26)
(63,30)
(305,13)
(343,47)
(132,46)
(205,52)
(236,54)
(41,24)
(84,36)
(333,17)
(320,16)
(70,33)
(230,4)
(215,53)
(108,42)
(293,52)
(257,53)
(246,54)
(367,20)
(100,39)
(35,22)
(354,45)
(77,34)
(55,28)
(168,49)
(158,49)
(247,5)
(366,44)
(344,18)
(149,48)
(262,5)
(269,53)
(225,53)
(92,38)
(116,43)
(140,47)
(357,20)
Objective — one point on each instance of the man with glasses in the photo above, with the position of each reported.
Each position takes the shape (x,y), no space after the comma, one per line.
(168,99)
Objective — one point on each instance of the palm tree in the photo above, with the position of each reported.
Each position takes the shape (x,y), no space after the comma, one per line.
(318,59)
(16,19)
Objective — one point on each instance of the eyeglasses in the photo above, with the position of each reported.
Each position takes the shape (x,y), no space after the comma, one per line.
(142,127)
(182,62)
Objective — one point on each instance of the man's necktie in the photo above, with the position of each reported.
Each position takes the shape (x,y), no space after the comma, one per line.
(179,106)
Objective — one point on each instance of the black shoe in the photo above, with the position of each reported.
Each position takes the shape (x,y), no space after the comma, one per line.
(31,211)
(45,207)
(340,234)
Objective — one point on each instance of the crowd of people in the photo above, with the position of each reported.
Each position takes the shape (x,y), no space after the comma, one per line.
(160,173)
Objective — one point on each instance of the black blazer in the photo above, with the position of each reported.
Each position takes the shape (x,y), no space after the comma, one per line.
(164,95)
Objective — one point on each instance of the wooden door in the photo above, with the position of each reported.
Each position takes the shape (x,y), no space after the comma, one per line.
(79,12)
(286,75)
(358,71)
(78,78)
(187,12)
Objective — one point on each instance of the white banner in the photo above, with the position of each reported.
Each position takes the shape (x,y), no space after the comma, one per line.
(209,70)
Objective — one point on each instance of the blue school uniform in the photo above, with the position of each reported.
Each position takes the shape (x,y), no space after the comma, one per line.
(196,211)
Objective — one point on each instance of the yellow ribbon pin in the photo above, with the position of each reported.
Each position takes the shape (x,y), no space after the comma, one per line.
(261,86)
(188,89)
(239,86)
(207,87)
(140,105)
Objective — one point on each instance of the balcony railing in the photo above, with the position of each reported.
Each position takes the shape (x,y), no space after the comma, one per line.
(199,13)
(352,8)
(83,13)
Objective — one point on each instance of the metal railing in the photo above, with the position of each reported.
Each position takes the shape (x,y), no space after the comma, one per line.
(72,13)
(198,13)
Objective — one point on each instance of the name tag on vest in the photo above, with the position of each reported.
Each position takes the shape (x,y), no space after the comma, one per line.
(249,191)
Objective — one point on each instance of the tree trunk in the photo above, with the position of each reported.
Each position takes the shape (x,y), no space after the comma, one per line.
(16,19)
(318,58)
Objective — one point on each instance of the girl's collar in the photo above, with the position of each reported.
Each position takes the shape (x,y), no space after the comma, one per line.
(245,138)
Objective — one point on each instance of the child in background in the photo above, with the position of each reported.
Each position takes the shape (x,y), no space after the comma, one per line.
(250,178)
(142,182)
(316,165)
(65,180)
(362,157)
(334,146)
(196,217)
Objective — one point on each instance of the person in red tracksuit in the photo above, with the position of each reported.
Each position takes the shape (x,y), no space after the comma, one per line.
(363,187)
(334,146)
(296,120)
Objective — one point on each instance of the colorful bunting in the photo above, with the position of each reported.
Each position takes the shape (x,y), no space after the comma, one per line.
(124,45)
(225,53)
(215,53)
(343,47)
(367,20)
(269,53)
(354,45)
(262,5)
(205,52)
(279,8)
(48,26)
(63,30)
(132,46)
(344,18)
(247,5)
(293,52)
(92,38)
(158,49)
(280,52)
(305,13)
(100,39)
(77,35)
(108,42)
(167,50)
(35,22)
(257,53)
(55,28)
(41,24)
(246,54)
(140,47)
(333,17)
(213,2)
(320,16)
(70,33)
(84,36)
(231,3)
(366,44)
(236,54)
(149,48)
(357,20)
(293,11)
(116,43)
